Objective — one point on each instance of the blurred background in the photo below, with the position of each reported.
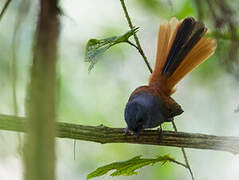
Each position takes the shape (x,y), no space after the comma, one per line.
(209,95)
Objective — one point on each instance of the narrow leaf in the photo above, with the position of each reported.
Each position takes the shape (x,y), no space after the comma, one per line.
(129,167)
(95,48)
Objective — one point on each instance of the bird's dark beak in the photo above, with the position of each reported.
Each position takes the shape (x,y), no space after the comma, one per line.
(134,132)
(126,131)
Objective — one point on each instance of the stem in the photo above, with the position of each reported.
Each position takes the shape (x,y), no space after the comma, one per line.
(132,44)
(135,36)
(74,149)
(179,163)
(184,153)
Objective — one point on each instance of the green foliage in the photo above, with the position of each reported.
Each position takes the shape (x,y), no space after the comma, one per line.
(127,168)
(95,48)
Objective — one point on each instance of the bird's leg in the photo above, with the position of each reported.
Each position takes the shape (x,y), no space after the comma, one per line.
(160,131)
(137,135)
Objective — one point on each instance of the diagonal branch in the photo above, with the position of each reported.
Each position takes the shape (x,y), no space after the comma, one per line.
(135,36)
(103,134)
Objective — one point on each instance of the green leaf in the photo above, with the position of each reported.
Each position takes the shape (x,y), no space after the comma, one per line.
(95,48)
(127,168)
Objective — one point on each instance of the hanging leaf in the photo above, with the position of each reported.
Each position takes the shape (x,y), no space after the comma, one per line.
(95,48)
(127,168)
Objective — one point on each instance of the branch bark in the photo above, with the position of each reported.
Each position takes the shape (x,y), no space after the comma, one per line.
(103,134)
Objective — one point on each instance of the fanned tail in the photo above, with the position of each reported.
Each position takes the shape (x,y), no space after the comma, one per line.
(181,48)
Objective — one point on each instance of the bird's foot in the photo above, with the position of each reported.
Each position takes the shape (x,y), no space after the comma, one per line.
(160,133)
(137,135)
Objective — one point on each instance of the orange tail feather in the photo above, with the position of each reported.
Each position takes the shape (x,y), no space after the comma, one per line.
(181,48)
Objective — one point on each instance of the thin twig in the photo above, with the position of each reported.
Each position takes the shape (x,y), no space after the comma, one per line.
(177,162)
(150,69)
(74,149)
(4,8)
(132,44)
(184,152)
(135,36)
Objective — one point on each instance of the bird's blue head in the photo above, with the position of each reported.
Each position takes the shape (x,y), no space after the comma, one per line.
(135,116)
(143,110)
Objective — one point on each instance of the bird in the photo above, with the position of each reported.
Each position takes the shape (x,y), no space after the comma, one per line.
(182,46)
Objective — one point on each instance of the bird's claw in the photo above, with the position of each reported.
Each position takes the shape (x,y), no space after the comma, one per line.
(137,135)
(160,131)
